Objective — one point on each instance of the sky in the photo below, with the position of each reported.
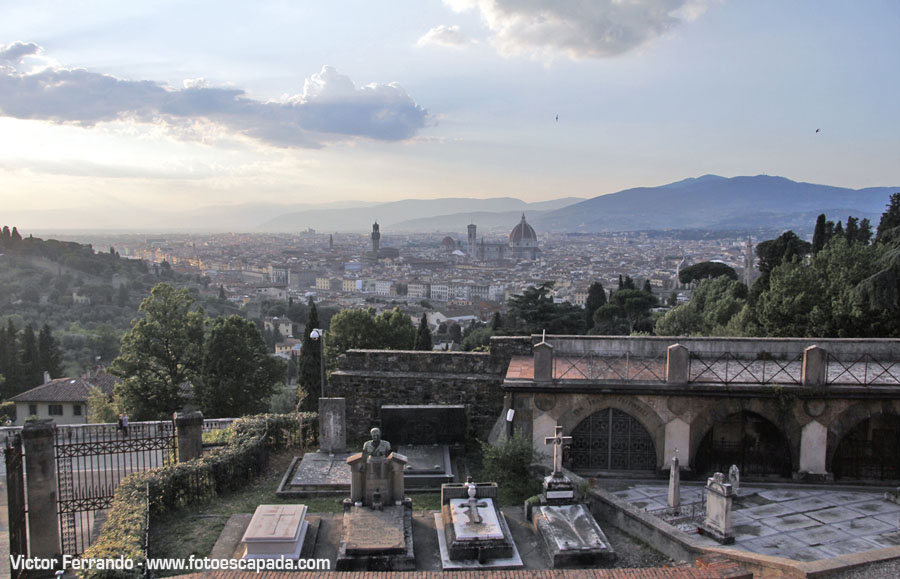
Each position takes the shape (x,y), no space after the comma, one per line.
(124,109)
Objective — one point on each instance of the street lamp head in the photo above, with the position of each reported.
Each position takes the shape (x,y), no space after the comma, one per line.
(314,335)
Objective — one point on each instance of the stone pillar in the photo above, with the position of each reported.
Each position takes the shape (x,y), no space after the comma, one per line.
(813,443)
(678,364)
(189,432)
(814,363)
(674,484)
(543,362)
(40,485)
(332,425)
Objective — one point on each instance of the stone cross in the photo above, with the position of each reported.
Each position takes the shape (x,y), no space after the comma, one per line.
(557,441)
(734,477)
(270,521)
(472,506)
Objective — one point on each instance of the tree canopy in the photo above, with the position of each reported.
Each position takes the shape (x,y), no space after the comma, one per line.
(162,351)
(534,310)
(238,374)
(706,270)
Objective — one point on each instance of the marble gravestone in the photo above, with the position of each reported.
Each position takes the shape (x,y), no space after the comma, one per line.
(717,524)
(472,532)
(275,532)
(332,425)
(377,519)
(569,532)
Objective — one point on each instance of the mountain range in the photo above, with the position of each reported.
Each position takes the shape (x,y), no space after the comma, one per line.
(709,202)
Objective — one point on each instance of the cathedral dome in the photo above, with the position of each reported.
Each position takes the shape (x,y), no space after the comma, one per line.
(448,243)
(522,234)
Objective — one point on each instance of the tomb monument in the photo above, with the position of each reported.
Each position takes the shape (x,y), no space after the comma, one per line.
(377,534)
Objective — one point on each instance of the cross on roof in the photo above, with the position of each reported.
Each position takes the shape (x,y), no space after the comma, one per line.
(557,441)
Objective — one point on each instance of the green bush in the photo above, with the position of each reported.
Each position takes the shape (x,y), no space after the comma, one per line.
(171,487)
(7,411)
(507,462)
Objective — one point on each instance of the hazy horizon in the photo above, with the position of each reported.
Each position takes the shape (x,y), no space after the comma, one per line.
(142,109)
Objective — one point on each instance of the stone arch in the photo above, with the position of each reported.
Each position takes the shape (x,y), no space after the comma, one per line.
(639,410)
(768,409)
(852,417)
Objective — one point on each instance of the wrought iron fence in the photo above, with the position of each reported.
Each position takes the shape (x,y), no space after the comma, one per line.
(91,460)
(622,367)
(685,517)
(861,369)
(746,368)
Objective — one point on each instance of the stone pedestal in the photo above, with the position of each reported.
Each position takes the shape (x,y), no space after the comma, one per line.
(674,498)
(189,431)
(332,425)
(40,484)
(718,510)
(378,481)
(275,532)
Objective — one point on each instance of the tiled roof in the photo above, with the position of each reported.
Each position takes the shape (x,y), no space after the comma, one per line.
(67,389)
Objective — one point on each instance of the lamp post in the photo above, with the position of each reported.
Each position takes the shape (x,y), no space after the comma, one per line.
(314,336)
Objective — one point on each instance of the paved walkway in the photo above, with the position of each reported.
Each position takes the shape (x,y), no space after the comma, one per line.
(799,524)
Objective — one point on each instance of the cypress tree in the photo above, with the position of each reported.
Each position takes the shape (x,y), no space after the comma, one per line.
(309,366)
(32,373)
(49,353)
(423,336)
(818,241)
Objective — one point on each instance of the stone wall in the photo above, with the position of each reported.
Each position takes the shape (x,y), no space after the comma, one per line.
(368,379)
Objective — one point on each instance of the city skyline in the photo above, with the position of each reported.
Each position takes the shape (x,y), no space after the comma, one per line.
(128,107)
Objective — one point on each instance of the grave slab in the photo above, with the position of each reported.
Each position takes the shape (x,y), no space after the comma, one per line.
(448,564)
(805,504)
(572,536)
(787,523)
(877,507)
(865,526)
(429,466)
(779,545)
(778,495)
(853,545)
(835,515)
(767,511)
(316,474)
(377,540)
(888,540)
(820,535)
(752,530)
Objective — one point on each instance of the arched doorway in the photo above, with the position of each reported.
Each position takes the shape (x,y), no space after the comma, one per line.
(870,450)
(611,440)
(748,440)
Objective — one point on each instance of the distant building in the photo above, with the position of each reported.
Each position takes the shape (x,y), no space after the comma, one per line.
(63,400)
(522,245)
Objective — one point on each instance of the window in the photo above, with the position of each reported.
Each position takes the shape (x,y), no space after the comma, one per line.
(56,410)
(32,410)
(76,410)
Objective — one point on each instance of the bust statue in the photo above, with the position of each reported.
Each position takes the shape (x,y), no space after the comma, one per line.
(375,447)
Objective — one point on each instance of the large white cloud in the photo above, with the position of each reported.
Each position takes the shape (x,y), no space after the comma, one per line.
(330,108)
(578,28)
(15,51)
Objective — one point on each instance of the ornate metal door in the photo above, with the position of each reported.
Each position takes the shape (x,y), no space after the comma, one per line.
(612,440)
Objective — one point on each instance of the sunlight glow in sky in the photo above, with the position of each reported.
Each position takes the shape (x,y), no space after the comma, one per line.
(126,106)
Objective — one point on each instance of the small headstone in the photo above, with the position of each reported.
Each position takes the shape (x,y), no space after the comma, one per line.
(332,425)
(734,478)
(718,509)
(674,484)
(558,489)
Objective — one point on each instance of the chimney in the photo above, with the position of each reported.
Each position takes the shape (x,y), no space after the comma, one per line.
(46,377)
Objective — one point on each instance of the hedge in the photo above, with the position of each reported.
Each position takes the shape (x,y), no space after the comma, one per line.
(143,494)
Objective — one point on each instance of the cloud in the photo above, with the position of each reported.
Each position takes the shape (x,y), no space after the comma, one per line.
(331,107)
(578,28)
(449,36)
(15,51)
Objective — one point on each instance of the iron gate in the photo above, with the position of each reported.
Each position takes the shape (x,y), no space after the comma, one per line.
(91,460)
(612,440)
(15,499)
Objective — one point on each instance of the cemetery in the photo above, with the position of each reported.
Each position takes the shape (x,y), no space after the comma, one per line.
(401,479)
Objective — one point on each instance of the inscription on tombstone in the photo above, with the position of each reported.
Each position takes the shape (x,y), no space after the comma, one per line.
(718,509)
(332,425)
